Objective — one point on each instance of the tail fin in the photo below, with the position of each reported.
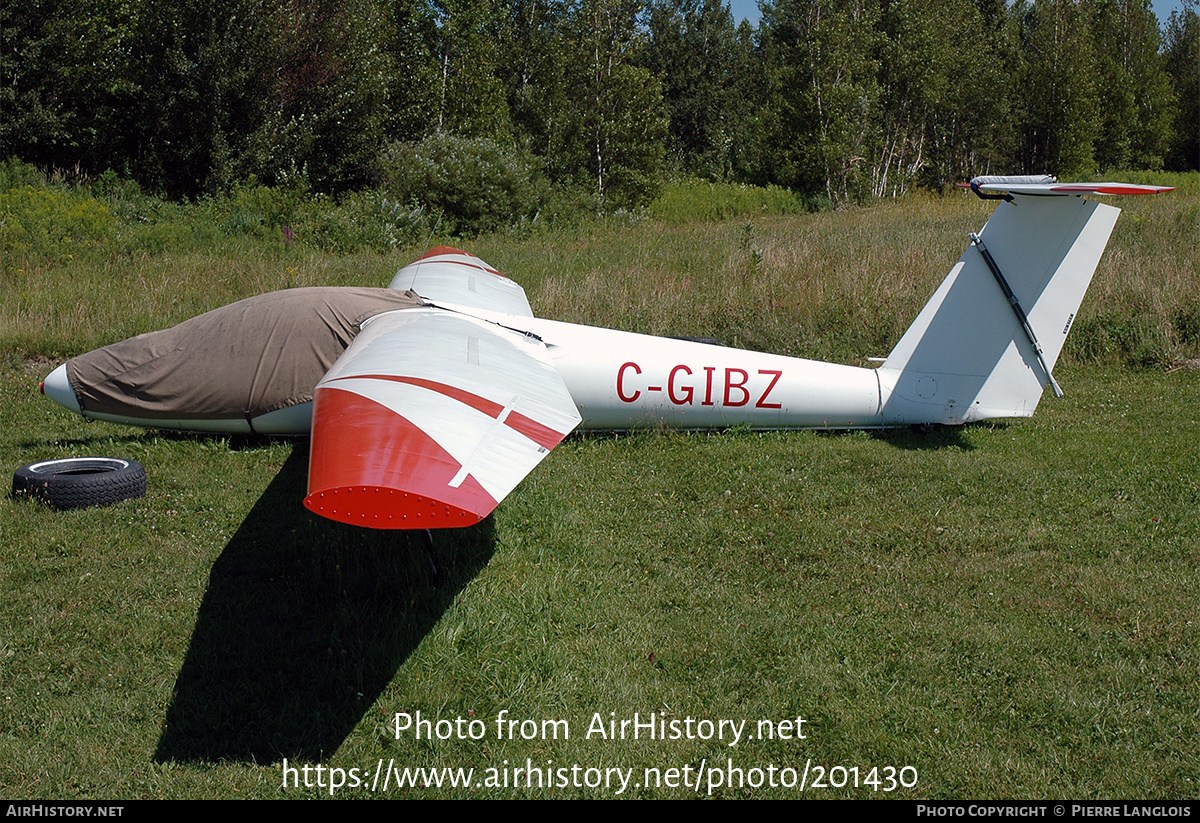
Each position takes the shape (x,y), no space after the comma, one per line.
(977,352)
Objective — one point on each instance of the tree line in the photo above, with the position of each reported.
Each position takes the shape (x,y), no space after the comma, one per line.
(838,99)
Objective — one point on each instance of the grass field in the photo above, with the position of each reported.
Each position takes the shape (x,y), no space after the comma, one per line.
(994,611)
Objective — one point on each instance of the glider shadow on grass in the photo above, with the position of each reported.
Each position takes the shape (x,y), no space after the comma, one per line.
(304,624)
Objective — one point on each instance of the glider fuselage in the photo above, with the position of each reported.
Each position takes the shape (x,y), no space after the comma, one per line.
(622,380)
(428,401)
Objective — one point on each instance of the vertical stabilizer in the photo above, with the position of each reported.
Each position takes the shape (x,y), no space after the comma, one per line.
(970,354)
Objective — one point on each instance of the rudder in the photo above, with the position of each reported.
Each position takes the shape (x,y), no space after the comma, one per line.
(968,356)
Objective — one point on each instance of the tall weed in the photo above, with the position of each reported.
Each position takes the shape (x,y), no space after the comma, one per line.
(363,220)
(838,286)
(690,200)
(15,174)
(41,224)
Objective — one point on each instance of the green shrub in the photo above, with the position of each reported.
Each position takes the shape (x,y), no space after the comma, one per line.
(1186,323)
(692,199)
(362,220)
(258,210)
(474,184)
(1132,337)
(51,223)
(15,174)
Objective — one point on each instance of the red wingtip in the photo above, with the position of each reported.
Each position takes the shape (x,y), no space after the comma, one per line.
(437,251)
(378,507)
(371,467)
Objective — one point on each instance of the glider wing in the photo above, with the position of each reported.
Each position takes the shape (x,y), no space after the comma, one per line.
(429,420)
(450,277)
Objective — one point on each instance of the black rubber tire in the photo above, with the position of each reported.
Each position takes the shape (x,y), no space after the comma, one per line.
(79,482)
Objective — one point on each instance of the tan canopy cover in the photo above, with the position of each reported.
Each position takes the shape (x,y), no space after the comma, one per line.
(243,360)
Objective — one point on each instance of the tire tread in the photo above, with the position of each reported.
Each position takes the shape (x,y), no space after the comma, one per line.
(105,483)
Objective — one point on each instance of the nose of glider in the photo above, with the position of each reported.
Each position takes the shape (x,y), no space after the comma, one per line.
(57,387)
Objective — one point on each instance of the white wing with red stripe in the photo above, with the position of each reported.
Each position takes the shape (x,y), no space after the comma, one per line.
(430,418)
(450,276)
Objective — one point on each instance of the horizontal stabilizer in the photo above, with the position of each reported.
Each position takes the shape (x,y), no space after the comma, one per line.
(1047,186)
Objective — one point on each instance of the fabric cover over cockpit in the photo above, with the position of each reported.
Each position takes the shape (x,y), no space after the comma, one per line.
(242,360)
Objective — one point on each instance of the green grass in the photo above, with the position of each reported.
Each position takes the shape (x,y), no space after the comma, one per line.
(77,271)
(1010,609)
(692,200)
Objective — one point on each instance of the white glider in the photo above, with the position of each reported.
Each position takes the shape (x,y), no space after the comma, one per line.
(429,401)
